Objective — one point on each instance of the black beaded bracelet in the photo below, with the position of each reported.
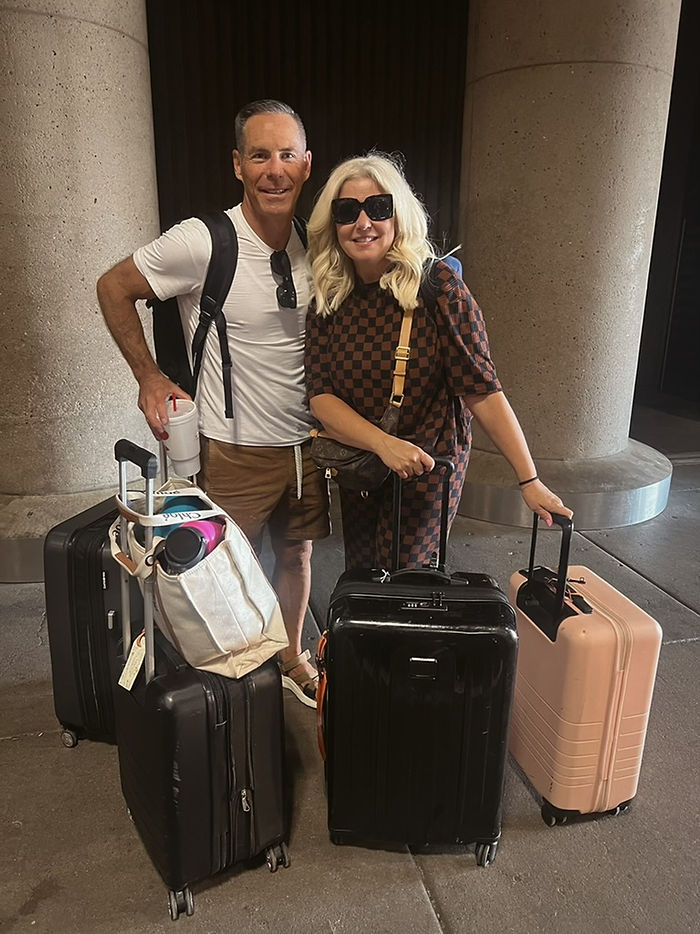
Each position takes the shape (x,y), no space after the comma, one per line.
(531,480)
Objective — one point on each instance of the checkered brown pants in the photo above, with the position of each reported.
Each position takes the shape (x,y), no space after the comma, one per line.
(367,520)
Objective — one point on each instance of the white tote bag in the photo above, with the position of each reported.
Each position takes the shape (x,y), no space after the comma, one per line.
(222,614)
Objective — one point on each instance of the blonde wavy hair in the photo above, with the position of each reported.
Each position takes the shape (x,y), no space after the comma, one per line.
(332,270)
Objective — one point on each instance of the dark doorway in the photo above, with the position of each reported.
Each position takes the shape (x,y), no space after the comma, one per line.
(668,376)
(391,79)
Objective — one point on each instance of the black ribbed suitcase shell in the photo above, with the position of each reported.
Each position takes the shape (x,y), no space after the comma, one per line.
(201,760)
(420,673)
(82,590)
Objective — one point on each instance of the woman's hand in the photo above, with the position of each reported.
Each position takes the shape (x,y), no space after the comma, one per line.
(541,500)
(404,458)
(344,424)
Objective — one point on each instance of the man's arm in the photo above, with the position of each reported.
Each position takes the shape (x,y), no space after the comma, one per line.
(118,290)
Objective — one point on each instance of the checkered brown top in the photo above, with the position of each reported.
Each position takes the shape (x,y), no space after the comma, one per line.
(350,354)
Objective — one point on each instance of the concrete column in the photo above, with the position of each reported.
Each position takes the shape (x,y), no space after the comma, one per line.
(565,123)
(78,193)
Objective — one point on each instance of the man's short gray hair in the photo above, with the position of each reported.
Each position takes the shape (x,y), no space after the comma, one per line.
(263,107)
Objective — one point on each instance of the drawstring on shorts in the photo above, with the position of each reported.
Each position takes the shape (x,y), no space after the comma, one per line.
(298,468)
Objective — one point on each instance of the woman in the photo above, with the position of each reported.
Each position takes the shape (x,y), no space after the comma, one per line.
(369,254)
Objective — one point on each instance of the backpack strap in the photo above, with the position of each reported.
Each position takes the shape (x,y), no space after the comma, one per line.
(222,268)
(300,227)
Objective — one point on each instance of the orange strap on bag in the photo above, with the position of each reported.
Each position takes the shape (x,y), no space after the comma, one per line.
(321,692)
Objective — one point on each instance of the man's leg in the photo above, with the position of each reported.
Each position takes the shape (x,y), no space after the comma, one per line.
(258,487)
(292,583)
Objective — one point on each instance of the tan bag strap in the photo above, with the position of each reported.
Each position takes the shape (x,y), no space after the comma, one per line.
(401,356)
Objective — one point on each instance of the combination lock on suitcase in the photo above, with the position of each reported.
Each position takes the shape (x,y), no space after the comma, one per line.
(418,669)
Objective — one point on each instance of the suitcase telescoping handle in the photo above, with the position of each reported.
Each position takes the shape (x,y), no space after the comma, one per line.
(440,463)
(567,527)
(126,452)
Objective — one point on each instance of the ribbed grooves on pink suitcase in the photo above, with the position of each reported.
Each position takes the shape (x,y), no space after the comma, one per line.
(571,762)
(587,765)
(603,678)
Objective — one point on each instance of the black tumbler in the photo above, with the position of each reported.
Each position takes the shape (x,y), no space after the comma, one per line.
(184,547)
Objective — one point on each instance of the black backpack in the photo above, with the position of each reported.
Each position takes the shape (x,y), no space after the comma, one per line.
(168,336)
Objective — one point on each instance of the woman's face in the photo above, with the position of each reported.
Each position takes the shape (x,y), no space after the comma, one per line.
(365,241)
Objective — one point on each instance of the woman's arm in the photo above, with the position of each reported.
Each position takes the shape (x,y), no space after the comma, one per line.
(343,423)
(495,415)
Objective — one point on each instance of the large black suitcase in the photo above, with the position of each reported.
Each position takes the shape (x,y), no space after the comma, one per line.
(419,672)
(201,757)
(83,601)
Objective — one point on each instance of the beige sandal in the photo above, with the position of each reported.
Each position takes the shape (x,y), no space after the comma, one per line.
(302,685)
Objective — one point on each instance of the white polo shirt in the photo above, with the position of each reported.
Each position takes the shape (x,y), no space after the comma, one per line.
(266,341)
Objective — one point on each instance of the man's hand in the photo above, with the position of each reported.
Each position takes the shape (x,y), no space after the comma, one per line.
(154,392)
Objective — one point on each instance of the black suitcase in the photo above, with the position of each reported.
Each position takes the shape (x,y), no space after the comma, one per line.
(83,600)
(419,670)
(201,757)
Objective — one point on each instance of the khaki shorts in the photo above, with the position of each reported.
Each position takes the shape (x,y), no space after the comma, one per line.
(257,486)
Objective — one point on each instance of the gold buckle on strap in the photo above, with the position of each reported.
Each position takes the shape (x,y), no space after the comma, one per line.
(402,353)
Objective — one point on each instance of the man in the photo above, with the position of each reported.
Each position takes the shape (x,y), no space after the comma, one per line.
(256,465)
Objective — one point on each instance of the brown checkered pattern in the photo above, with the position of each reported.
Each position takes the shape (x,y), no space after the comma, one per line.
(350,355)
(367,521)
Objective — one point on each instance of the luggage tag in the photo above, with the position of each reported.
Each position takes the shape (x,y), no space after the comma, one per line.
(133,662)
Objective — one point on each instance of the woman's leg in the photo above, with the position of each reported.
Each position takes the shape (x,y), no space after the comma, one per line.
(359,515)
(421,508)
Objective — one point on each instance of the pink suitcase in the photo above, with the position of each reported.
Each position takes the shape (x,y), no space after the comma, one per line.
(585,677)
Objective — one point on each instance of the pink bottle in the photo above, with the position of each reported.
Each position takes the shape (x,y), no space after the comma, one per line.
(212,530)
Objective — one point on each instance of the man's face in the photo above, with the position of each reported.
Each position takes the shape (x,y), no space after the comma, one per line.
(273,164)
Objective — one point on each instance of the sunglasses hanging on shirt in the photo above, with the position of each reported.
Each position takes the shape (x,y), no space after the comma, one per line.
(282,269)
(376,207)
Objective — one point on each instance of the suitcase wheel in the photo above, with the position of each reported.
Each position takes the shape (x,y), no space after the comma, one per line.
(621,808)
(277,856)
(286,858)
(552,816)
(180,901)
(485,853)
(69,738)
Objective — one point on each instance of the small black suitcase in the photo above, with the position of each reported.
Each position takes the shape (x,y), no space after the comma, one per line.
(201,756)
(83,600)
(419,670)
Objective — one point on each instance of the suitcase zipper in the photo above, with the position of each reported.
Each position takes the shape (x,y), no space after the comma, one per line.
(220,720)
(623,647)
(247,794)
(96,690)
